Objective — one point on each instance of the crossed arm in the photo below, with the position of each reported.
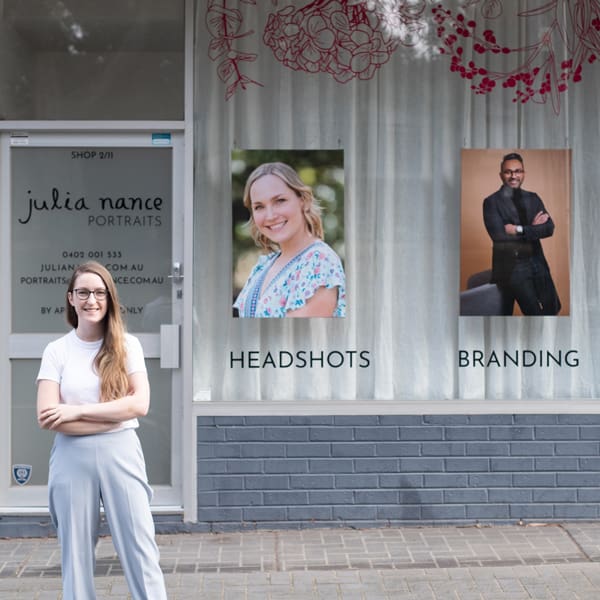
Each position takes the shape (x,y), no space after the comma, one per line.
(539,219)
(85,419)
(499,230)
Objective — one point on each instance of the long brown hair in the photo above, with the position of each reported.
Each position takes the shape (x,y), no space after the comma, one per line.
(111,358)
(310,205)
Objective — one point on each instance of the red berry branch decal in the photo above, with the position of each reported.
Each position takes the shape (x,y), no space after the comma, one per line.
(537,72)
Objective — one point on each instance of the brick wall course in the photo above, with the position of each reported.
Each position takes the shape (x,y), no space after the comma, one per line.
(588,495)
(532,448)
(533,479)
(398,449)
(489,480)
(357,481)
(511,433)
(306,471)
(577,449)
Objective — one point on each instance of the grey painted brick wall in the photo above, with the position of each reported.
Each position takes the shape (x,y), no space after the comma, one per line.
(365,471)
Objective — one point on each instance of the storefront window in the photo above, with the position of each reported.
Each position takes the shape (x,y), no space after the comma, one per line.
(73,60)
(406,90)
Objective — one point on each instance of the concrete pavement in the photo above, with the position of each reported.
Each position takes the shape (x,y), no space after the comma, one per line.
(512,562)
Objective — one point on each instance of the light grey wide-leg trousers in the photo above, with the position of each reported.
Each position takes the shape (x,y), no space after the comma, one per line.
(107,468)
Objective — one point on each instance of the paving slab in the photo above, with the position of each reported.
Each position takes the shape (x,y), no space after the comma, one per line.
(557,562)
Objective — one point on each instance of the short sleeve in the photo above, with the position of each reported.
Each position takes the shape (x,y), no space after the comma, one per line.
(51,365)
(321,267)
(135,356)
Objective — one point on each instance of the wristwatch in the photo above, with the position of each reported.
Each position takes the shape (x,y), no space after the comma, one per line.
(519,229)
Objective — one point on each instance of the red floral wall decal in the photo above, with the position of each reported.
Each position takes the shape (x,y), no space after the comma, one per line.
(350,39)
(344,38)
(224,26)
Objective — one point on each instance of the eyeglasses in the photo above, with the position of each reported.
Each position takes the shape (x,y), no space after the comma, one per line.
(508,172)
(84,294)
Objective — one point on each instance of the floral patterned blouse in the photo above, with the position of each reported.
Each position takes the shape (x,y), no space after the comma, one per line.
(316,266)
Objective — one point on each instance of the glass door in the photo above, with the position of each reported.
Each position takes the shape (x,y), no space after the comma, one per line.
(66,199)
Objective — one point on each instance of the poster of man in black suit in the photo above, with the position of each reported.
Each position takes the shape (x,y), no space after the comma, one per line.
(516,221)
(515,238)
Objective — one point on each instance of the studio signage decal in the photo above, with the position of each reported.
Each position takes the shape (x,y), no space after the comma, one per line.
(74,205)
(127,211)
(300,359)
(22,474)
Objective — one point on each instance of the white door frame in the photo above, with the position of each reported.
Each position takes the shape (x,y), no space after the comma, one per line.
(180,496)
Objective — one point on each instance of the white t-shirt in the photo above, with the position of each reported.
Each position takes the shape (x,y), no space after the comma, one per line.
(70,362)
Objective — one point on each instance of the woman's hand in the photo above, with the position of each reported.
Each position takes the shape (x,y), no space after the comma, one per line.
(85,419)
(53,416)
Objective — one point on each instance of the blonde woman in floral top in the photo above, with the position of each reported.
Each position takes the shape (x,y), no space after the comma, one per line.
(301,276)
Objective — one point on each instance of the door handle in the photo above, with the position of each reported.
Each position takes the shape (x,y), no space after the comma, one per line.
(176,273)
(169,346)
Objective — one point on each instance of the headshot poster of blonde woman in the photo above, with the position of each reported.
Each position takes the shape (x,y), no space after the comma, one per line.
(288,233)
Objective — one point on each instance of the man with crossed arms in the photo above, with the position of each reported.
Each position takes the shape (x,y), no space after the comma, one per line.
(517,220)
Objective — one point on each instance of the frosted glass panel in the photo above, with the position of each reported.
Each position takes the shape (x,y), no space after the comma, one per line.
(91,60)
(108,204)
(30,445)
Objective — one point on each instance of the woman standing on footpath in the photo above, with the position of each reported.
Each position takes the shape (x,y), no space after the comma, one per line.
(92,386)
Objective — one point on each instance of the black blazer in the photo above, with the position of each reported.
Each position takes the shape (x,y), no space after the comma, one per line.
(498,211)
